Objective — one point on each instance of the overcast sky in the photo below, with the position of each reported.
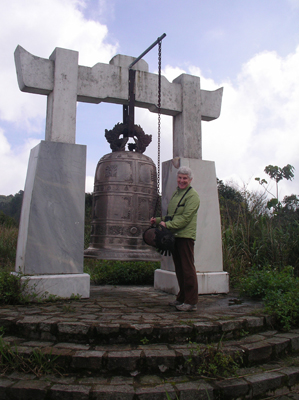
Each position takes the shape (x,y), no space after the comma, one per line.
(248,47)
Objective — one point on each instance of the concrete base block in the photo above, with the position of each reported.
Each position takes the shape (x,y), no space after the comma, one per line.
(208,282)
(63,285)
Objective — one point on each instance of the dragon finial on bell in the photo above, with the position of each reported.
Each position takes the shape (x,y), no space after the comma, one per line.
(141,139)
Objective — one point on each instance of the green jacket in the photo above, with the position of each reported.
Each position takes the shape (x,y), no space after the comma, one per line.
(184,221)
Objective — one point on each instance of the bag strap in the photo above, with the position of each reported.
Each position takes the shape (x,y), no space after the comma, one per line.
(179,203)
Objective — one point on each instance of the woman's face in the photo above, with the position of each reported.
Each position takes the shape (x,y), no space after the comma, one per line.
(183,181)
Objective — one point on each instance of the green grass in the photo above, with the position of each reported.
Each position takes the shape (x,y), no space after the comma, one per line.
(36,362)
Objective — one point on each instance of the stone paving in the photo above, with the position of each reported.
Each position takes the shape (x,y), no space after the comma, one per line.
(122,314)
(125,342)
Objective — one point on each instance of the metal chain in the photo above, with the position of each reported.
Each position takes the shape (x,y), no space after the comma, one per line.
(159,114)
(158,207)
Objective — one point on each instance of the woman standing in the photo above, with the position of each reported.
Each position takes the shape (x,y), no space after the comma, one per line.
(181,219)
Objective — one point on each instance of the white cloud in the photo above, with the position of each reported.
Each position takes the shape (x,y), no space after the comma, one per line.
(13,164)
(39,27)
(258,125)
(259,121)
(172,72)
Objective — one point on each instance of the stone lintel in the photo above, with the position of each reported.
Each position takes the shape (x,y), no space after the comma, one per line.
(109,83)
(35,74)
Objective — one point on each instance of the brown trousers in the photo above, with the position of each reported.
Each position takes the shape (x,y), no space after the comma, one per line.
(183,258)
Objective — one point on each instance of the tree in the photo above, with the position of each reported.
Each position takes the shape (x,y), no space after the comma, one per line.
(277,174)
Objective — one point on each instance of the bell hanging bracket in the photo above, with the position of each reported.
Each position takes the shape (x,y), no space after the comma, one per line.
(128,110)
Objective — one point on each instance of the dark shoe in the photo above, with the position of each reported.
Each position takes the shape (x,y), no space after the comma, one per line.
(175,303)
(187,307)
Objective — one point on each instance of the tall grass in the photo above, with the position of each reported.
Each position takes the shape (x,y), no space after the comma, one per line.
(8,246)
(252,236)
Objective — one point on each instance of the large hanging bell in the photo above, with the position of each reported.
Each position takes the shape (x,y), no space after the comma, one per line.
(124,199)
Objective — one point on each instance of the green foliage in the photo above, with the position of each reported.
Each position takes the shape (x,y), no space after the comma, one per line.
(7,221)
(259,282)
(213,362)
(10,288)
(278,289)
(252,236)
(88,218)
(8,245)
(36,362)
(284,306)
(103,272)
(277,174)
(11,205)
(144,341)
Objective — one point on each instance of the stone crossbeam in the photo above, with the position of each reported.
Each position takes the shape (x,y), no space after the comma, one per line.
(65,82)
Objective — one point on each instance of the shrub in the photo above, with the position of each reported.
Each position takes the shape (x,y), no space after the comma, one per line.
(104,272)
(278,289)
(10,288)
(284,306)
(260,282)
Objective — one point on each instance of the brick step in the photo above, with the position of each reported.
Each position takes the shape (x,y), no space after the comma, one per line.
(159,358)
(273,380)
(127,343)
(183,330)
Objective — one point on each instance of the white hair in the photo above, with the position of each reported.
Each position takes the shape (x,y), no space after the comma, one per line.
(185,171)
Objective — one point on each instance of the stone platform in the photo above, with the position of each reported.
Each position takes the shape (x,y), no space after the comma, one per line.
(125,342)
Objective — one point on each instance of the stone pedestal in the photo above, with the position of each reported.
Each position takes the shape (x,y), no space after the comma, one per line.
(208,245)
(51,234)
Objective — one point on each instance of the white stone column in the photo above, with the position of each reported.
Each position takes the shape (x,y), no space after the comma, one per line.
(62,100)
(187,124)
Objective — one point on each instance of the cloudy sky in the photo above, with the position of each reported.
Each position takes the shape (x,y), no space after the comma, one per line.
(249,47)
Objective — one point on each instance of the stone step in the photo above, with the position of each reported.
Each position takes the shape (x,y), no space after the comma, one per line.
(128,359)
(272,380)
(185,330)
(127,343)
(185,327)
(115,315)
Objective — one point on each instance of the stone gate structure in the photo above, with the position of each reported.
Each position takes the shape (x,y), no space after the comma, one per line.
(51,236)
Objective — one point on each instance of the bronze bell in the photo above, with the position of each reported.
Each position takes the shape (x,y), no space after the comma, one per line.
(124,200)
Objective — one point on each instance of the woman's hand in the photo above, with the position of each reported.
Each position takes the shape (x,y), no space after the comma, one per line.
(153,221)
(163,224)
